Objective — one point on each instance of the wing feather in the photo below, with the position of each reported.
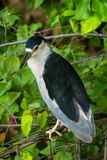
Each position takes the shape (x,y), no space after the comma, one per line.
(69,97)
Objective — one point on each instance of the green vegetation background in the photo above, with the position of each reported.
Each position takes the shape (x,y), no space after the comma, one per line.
(20,101)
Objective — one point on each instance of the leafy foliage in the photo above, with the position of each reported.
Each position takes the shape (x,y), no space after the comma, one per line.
(20,100)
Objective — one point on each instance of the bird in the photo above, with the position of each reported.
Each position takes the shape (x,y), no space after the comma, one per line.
(61,88)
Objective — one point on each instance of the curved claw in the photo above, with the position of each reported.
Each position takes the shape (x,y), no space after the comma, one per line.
(54,130)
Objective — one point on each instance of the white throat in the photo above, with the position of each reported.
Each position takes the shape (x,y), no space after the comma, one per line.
(37,62)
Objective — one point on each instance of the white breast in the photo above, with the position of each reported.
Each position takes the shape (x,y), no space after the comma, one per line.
(37,62)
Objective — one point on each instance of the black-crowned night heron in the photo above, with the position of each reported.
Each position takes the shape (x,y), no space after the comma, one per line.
(61,89)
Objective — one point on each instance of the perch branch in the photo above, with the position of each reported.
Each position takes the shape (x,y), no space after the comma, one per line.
(58,36)
(16,147)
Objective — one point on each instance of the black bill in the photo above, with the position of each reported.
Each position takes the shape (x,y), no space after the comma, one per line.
(26,57)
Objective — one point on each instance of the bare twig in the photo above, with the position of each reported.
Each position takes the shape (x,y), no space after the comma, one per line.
(12,43)
(105,146)
(89,58)
(59,36)
(14,125)
(16,147)
(78,150)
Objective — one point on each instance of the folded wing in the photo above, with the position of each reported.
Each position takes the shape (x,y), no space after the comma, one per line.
(68,94)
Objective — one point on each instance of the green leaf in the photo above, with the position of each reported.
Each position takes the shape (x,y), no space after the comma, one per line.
(42,119)
(17,157)
(26,76)
(82,9)
(26,155)
(9,98)
(46,151)
(69,4)
(68,13)
(24,103)
(2,149)
(4,87)
(26,122)
(34,105)
(96,42)
(55,21)
(22,32)
(90,24)
(38,3)
(34,28)
(16,83)
(62,155)
(12,64)
(100,9)
(2,75)
(14,108)
(105,44)
(74,24)
(8,17)
(2,109)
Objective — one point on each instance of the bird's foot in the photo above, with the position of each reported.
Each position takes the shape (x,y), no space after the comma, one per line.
(50,132)
(54,130)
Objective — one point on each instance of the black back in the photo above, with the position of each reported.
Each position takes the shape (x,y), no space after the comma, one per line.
(65,86)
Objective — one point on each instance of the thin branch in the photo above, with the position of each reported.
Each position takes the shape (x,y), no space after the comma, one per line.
(105,146)
(59,36)
(16,147)
(78,150)
(89,58)
(15,125)
(12,43)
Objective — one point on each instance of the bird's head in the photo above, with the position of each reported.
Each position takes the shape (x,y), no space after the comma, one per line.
(33,45)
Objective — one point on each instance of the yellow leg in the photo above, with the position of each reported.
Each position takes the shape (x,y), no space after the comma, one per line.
(54,130)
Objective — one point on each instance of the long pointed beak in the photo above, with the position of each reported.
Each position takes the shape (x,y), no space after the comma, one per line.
(26,57)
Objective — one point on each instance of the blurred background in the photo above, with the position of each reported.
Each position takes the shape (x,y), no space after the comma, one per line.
(24,117)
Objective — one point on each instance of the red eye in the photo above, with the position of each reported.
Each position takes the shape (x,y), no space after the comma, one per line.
(36,47)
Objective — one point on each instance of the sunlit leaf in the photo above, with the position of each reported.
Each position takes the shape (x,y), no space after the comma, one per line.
(89,24)
(26,155)
(26,122)
(68,13)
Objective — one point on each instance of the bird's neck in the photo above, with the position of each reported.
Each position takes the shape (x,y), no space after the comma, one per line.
(37,62)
